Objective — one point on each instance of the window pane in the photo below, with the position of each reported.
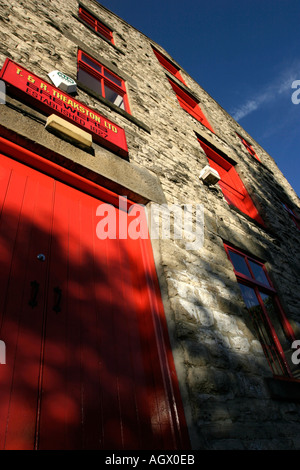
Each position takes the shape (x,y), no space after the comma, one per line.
(239,263)
(263,330)
(259,273)
(87,18)
(250,297)
(112,77)
(91,63)
(104,30)
(114,97)
(90,81)
(257,314)
(275,319)
(288,209)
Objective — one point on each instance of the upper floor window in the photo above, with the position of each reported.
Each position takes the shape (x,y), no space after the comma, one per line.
(270,323)
(292,215)
(102,81)
(249,147)
(96,24)
(168,65)
(232,186)
(189,104)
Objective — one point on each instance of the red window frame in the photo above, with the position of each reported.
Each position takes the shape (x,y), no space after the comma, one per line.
(96,24)
(265,326)
(249,147)
(232,186)
(189,104)
(168,65)
(292,215)
(98,71)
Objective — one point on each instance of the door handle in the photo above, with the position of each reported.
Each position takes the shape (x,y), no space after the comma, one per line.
(57,297)
(34,293)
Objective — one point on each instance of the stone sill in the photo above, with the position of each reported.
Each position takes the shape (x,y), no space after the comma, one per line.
(282,388)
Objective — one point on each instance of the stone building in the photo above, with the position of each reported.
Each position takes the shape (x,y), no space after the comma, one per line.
(184,339)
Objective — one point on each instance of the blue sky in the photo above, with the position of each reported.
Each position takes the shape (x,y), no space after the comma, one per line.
(244,53)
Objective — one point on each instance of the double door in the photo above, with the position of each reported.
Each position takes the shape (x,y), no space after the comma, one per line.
(88,363)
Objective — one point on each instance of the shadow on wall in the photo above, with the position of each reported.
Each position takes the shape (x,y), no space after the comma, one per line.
(225,367)
(84,369)
(84,366)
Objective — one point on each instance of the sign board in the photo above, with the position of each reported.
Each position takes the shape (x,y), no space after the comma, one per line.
(62,81)
(51,100)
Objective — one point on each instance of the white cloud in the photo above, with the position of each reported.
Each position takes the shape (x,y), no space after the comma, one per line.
(281,84)
(251,105)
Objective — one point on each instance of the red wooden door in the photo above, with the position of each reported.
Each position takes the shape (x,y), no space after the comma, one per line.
(88,364)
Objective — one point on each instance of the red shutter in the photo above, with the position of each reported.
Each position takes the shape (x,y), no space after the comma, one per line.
(190,105)
(168,65)
(232,186)
(248,147)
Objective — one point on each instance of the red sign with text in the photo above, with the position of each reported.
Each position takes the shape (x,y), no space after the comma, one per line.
(51,100)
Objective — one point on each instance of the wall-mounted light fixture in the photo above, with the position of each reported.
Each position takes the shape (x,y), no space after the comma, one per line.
(209,175)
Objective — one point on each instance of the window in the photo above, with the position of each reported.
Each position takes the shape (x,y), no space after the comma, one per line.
(270,323)
(102,81)
(168,65)
(189,104)
(97,25)
(248,147)
(292,215)
(232,187)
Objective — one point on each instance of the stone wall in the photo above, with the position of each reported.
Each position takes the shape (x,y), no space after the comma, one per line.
(220,363)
